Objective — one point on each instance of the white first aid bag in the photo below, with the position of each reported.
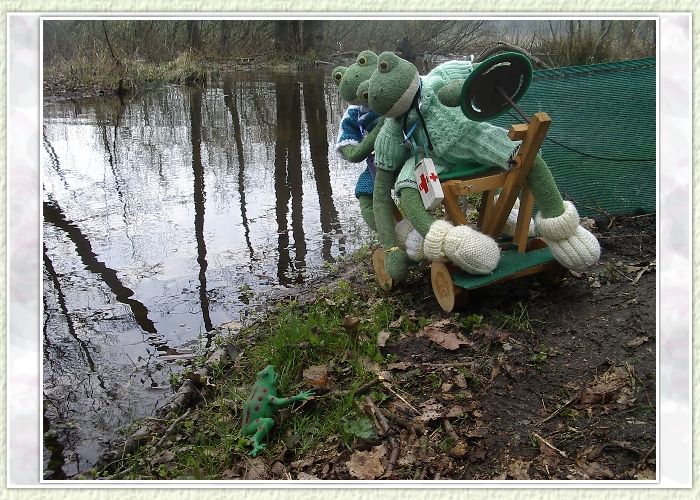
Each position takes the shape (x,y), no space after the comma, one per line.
(428,184)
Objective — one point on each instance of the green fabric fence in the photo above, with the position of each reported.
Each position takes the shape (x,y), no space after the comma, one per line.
(607,111)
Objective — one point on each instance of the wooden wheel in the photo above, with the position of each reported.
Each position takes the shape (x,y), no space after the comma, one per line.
(446,293)
(382,276)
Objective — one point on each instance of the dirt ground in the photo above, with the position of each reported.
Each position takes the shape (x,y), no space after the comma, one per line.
(556,381)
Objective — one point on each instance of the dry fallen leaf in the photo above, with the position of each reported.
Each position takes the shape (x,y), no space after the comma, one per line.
(367,464)
(549,457)
(637,341)
(518,469)
(431,410)
(351,323)
(593,470)
(382,337)
(436,333)
(459,450)
(256,469)
(611,381)
(166,457)
(303,476)
(402,365)
(316,376)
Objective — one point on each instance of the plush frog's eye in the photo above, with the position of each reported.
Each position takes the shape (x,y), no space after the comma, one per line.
(362,61)
(383,66)
(338,76)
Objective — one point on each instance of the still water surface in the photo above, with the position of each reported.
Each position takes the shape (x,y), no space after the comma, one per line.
(166,215)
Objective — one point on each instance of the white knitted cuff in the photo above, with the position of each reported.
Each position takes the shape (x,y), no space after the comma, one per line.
(472,251)
(402,228)
(432,247)
(558,228)
(578,252)
(414,246)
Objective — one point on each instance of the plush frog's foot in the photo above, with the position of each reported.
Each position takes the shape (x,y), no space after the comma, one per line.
(470,250)
(572,246)
(450,94)
(257,448)
(512,220)
(396,264)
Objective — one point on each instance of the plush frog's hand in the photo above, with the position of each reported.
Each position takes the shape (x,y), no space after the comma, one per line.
(358,152)
(303,395)
(572,246)
(450,94)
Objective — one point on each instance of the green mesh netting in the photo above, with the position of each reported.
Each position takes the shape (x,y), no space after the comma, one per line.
(606,110)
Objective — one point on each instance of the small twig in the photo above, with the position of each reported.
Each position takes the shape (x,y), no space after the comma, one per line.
(358,392)
(549,445)
(449,430)
(558,410)
(121,473)
(623,274)
(639,275)
(402,399)
(394,418)
(383,422)
(394,456)
(645,457)
(173,427)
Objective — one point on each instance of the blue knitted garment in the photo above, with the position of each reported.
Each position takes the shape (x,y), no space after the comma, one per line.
(356,123)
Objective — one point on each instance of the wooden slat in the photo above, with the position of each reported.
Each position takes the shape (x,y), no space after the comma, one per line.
(537,130)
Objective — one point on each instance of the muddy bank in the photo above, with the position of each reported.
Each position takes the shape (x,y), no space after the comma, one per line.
(527,382)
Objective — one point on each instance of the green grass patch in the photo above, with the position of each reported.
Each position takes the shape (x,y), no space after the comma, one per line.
(296,336)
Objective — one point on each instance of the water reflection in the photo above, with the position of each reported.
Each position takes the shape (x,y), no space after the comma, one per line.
(54,215)
(199,201)
(163,214)
(316,123)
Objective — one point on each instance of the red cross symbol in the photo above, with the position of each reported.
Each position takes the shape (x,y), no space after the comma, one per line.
(433,177)
(423,183)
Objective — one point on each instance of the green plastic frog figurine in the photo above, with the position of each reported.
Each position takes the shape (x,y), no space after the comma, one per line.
(263,401)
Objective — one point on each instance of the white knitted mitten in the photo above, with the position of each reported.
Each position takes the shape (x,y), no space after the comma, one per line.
(572,246)
(414,246)
(468,249)
(512,220)
(402,228)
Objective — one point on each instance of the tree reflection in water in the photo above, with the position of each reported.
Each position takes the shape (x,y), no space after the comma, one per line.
(128,277)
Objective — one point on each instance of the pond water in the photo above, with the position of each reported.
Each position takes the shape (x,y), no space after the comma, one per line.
(166,215)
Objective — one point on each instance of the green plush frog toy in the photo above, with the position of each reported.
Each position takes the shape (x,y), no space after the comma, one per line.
(358,130)
(263,401)
(417,115)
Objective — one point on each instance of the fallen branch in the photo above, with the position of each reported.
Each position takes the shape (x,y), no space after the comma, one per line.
(381,419)
(558,410)
(173,427)
(449,430)
(393,457)
(549,445)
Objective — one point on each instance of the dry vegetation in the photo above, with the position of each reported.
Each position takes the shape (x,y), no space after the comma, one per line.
(89,57)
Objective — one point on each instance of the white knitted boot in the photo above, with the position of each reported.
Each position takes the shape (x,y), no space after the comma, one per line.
(470,250)
(572,246)
(512,220)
